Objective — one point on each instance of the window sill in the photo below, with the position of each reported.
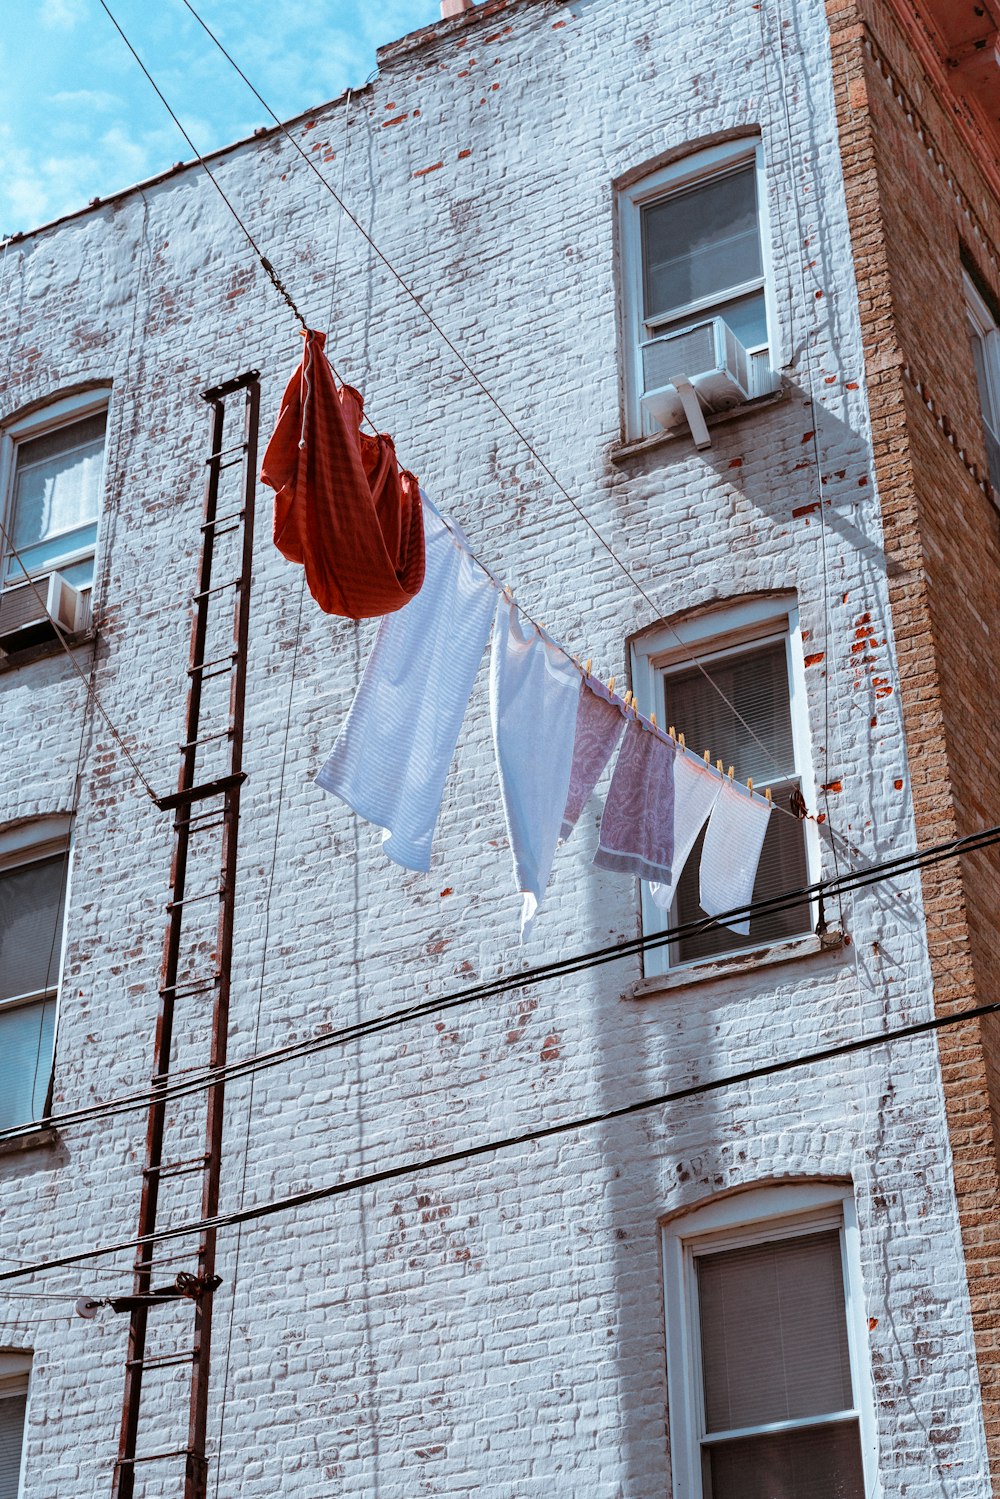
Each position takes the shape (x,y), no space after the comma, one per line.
(45,1137)
(620,452)
(42,649)
(735,964)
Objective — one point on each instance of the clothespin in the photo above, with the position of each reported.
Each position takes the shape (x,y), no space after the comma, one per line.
(708,757)
(718,766)
(673,733)
(680,741)
(767,794)
(750,785)
(732,772)
(588,665)
(652,719)
(611,684)
(507,593)
(628,697)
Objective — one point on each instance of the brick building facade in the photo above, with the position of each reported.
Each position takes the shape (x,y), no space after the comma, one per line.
(547,1317)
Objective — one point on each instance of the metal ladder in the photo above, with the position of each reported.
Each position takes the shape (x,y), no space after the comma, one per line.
(180,1178)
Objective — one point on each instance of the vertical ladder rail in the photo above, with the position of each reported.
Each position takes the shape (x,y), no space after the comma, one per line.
(195,1288)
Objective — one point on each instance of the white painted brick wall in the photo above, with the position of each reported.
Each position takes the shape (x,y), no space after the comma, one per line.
(496,1328)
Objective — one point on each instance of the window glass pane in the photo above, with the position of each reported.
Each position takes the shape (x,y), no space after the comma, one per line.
(774,1332)
(31,918)
(26,1033)
(782,868)
(821,1462)
(46,554)
(700,243)
(12,1413)
(57,482)
(755,682)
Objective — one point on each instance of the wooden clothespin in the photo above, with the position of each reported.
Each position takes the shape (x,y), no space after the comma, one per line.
(732,772)
(588,665)
(611,684)
(652,719)
(680,741)
(750,785)
(708,757)
(767,794)
(718,766)
(673,733)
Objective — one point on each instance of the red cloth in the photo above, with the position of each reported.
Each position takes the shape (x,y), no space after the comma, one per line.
(342,506)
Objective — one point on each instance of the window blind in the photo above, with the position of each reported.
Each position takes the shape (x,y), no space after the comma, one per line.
(700,243)
(12,1413)
(26,1037)
(774,1332)
(755,682)
(821,1462)
(31,916)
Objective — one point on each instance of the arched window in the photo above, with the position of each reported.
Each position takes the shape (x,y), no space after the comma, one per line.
(768,1369)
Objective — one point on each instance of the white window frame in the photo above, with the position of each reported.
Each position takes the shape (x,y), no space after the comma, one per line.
(758,1215)
(689,171)
(15,1379)
(61,413)
(43,838)
(983,326)
(719,633)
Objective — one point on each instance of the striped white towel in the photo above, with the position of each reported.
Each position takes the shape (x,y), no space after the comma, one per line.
(696,790)
(391,759)
(731,852)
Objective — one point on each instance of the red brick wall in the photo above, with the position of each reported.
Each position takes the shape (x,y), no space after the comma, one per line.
(917,203)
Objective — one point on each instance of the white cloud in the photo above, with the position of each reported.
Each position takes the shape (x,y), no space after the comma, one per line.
(60,15)
(86,98)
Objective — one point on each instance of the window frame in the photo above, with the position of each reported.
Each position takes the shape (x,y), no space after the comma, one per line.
(716,634)
(63,412)
(983,325)
(30,843)
(754,1216)
(699,166)
(15,1379)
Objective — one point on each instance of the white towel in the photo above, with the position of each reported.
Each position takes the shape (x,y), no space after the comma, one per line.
(731,852)
(534,697)
(393,753)
(696,790)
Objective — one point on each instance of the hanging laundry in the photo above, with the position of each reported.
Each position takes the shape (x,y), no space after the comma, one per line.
(599,724)
(696,790)
(534,696)
(342,508)
(637,828)
(391,759)
(731,852)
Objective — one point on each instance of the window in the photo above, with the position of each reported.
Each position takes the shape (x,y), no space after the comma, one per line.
(750,665)
(53,474)
(692,250)
(15,1368)
(33,867)
(985,337)
(769,1384)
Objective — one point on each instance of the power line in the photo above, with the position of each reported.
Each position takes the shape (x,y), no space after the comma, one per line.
(476,378)
(275,279)
(528,1137)
(558,968)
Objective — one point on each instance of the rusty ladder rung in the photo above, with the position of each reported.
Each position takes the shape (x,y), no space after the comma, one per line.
(220,520)
(192,900)
(207,593)
(162,1360)
(154,1457)
(204,666)
(177,1168)
(190,990)
(237,447)
(206,739)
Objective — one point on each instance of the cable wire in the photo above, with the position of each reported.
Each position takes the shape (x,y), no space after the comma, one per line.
(198,1081)
(528,1137)
(272,274)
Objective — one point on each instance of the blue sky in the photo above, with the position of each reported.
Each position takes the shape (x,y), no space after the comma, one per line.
(78,120)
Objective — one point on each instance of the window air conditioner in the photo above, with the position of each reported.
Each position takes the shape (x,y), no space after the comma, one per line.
(698,369)
(27,612)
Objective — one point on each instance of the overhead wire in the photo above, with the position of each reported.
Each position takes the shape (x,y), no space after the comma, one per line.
(904,864)
(514,426)
(294,1200)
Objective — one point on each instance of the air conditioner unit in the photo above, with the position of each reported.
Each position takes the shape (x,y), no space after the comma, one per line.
(698,369)
(28,611)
